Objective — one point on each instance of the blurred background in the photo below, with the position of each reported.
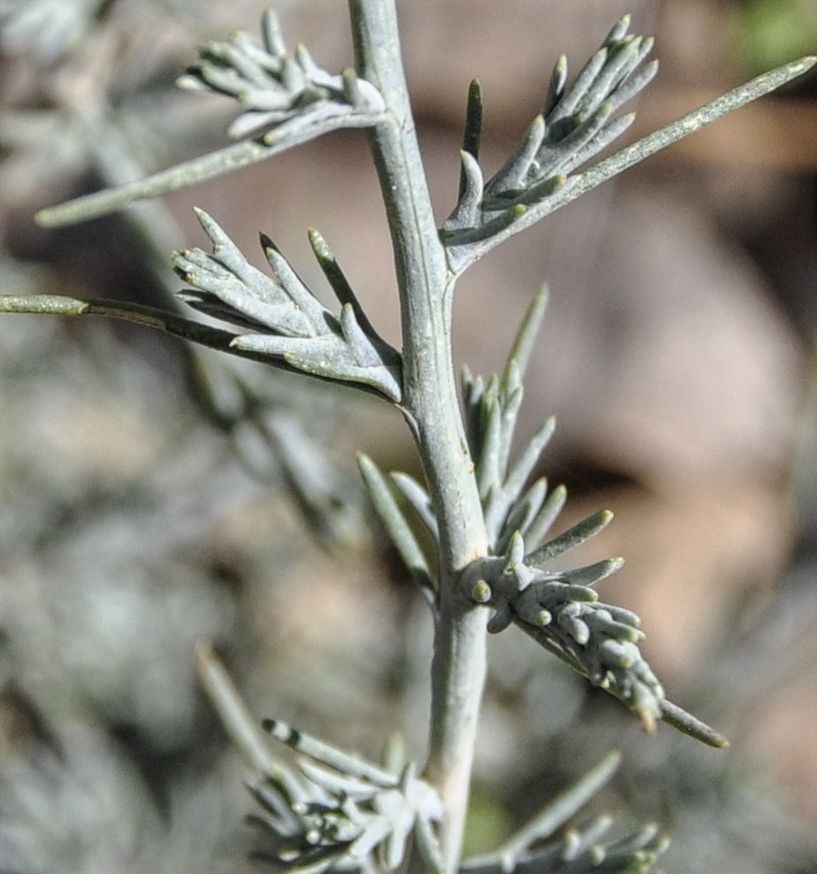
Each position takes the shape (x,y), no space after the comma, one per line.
(152,496)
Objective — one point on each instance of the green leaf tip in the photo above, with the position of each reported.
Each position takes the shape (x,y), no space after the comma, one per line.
(522,346)
(481,592)
(473,119)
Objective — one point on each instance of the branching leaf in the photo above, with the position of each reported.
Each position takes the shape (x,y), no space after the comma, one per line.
(397,527)
(287,100)
(287,323)
(276,87)
(336,811)
(578,850)
(562,612)
(577,123)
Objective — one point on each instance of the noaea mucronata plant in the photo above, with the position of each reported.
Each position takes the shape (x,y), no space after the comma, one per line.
(492,560)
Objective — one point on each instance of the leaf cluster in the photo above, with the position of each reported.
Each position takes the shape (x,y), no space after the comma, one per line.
(333,810)
(287,324)
(577,121)
(279,89)
(558,607)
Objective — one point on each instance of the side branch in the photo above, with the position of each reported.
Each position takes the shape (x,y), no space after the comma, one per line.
(232,157)
(464,250)
(149,317)
(286,100)
(167,323)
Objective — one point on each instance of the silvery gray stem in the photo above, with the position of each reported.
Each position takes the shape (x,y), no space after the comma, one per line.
(432,408)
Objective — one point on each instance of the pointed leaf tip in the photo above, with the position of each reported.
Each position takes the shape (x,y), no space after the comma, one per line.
(516,549)
(688,724)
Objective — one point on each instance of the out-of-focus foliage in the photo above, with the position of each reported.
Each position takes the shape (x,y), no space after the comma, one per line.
(770,31)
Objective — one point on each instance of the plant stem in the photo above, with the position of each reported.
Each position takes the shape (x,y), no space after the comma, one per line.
(432,409)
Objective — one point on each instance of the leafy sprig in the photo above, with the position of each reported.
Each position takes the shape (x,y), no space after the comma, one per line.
(287,100)
(382,494)
(285,324)
(279,88)
(291,108)
(334,811)
(575,123)
(536,848)
(286,321)
(560,609)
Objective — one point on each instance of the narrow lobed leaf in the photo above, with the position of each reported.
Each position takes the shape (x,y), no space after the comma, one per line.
(634,84)
(571,538)
(544,519)
(558,811)
(593,573)
(539,192)
(489,229)
(336,278)
(621,61)
(528,331)
(556,86)
(574,94)
(528,459)
(552,157)
(341,761)
(488,471)
(510,400)
(396,526)
(335,782)
(511,176)
(380,352)
(294,287)
(472,132)
(608,134)
(523,513)
(271,32)
(419,499)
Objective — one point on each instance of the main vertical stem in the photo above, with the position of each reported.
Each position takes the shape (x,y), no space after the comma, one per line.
(430,399)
